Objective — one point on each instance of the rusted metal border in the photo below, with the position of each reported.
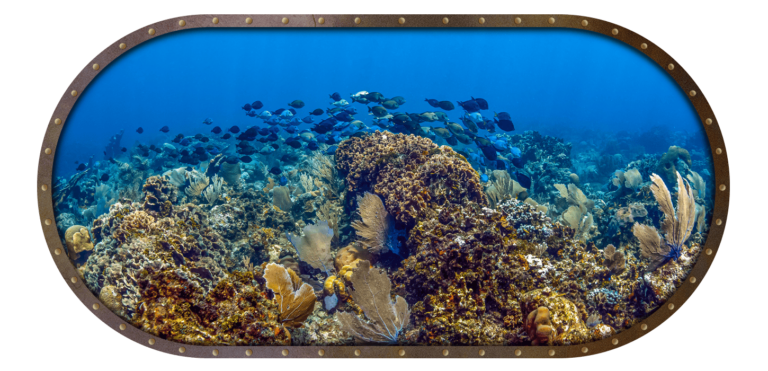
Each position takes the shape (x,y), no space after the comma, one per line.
(125,44)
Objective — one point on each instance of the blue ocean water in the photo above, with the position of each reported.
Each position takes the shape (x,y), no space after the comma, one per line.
(560,82)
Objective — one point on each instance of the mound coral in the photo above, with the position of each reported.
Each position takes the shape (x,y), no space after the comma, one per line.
(78,240)
(539,327)
(668,163)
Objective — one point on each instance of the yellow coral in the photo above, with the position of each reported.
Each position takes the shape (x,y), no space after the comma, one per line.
(78,239)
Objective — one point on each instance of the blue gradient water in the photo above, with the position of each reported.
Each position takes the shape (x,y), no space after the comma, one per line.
(558,82)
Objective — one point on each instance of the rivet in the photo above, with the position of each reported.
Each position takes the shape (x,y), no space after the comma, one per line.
(708,121)
(215,352)
(670,66)
(671,306)
(57,251)
(321,20)
(321,352)
(401,20)
(551,20)
(249,20)
(692,93)
(215,20)
(708,252)
(96,306)
(74,93)
(96,66)
(401,352)
(643,46)
(357,352)
(481,20)
(584,349)
(47,151)
(643,327)
(151,341)
(57,121)
(719,151)
(585,23)
(48,222)
(615,341)
(518,352)
(445,352)
(722,187)
(445,20)
(551,352)
(719,222)
(122,326)
(122,46)
(285,352)
(518,20)
(358,20)
(615,31)
(73,279)
(182,23)
(182,350)
(481,352)
(151,31)
(285,20)
(692,279)
(44,187)
(248,352)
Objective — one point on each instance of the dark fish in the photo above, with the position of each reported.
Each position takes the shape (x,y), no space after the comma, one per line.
(317,112)
(205,139)
(400,100)
(257,105)
(178,138)
(291,129)
(264,131)
(226,136)
(433,102)
(390,104)
(446,105)
(470,106)
(335,96)
(452,141)
(283,180)
(375,97)
(247,107)
(216,130)
(234,130)
(139,130)
(275,170)
(333,110)
(124,149)
(104,177)
(344,116)
(293,143)
(331,150)
(482,142)
(165,129)
(81,167)
(501,165)
(197,136)
(465,139)
(377,111)
(232,160)
(274,145)
(200,150)
(519,162)
(184,142)
(112,160)
(296,104)
(207,121)
(272,137)
(481,102)
(246,159)
(489,152)
(308,120)
(293,111)
(523,179)
(251,113)
(312,146)
(325,125)
(505,125)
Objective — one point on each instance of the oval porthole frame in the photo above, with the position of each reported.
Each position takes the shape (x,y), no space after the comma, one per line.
(667,63)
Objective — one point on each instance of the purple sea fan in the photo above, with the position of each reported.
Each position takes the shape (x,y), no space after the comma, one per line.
(677,226)
(370,291)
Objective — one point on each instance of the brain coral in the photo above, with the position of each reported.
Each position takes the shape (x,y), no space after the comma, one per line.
(410,173)
(667,166)
(78,240)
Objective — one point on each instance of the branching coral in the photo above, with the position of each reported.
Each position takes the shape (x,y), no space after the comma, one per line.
(214,190)
(370,291)
(677,226)
(377,229)
(295,299)
(197,183)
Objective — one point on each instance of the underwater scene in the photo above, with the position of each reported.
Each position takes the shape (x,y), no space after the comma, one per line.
(383,186)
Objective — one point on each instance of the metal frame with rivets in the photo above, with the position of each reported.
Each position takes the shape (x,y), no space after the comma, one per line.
(125,44)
